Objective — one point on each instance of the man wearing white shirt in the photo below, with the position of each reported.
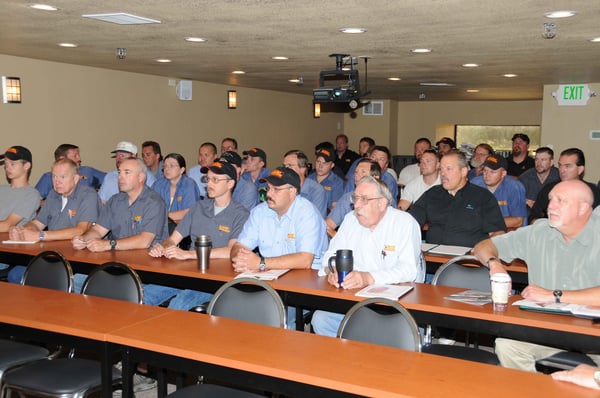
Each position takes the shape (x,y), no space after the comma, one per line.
(410,172)
(429,165)
(381,254)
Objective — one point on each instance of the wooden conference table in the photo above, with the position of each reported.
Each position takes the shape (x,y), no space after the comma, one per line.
(302,288)
(292,362)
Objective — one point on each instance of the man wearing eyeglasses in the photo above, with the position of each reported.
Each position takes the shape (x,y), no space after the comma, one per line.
(381,254)
(218,216)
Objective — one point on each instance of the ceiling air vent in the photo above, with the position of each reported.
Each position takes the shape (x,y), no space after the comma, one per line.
(121,18)
(373,108)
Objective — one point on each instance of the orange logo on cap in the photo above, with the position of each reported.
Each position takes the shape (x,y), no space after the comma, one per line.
(325,152)
(253,150)
(12,150)
(218,165)
(277,173)
(492,159)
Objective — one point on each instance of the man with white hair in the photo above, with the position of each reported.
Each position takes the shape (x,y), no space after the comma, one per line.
(381,254)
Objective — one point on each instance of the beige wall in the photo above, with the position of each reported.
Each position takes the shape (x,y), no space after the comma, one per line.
(569,126)
(95,108)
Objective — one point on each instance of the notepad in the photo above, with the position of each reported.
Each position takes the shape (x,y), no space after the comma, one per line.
(450,250)
(267,275)
(19,242)
(392,292)
(582,311)
(474,297)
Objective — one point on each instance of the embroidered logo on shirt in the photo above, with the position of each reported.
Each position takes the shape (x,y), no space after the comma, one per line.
(469,207)
(224,228)
(137,219)
(389,248)
(179,198)
(327,187)
(502,203)
(291,236)
(72,212)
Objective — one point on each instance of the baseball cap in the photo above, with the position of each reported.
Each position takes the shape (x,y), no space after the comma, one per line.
(447,141)
(522,136)
(326,154)
(231,157)
(495,162)
(126,146)
(17,153)
(281,176)
(256,152)
(223,168)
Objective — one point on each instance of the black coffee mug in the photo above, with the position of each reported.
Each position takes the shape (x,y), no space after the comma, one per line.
(342,263)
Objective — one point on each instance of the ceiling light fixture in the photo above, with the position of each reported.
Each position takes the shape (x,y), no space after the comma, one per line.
(394,79)
(238,72)
(420,50)
(435,84)
(195,39)
(595,40)
(353,30)
(560,14)
(470,65)
(43,7)
(163,60)
(68,45)
(510,75)
(471,90)
(280,58)
(121,18)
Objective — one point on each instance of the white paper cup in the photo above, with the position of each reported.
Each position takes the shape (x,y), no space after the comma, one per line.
(501,284)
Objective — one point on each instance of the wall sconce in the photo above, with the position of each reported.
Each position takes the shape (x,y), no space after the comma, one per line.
(231,99)
(11,90)
(316,111)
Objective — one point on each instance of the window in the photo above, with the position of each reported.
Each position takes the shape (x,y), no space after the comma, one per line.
(499,137)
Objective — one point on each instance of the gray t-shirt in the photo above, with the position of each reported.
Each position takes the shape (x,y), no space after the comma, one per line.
(23,201)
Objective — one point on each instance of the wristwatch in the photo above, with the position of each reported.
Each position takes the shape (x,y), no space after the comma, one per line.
(557,295)
(42,235)
(597,377)
(113,244)
(262,266)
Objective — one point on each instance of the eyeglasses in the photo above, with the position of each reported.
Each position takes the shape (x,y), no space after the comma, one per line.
(214,180)
(277,189)
(357,199)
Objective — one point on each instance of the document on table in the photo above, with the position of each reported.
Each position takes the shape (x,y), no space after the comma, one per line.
(578,310)
(268,275)
(19,242)
(474,297)
(448,250)
(392,292)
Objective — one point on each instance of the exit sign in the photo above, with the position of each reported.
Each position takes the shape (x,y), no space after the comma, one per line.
(573,94)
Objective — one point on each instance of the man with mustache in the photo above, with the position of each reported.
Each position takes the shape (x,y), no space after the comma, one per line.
(382,254)
(561,253)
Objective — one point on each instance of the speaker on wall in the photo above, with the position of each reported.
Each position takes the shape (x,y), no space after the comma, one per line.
(184,90)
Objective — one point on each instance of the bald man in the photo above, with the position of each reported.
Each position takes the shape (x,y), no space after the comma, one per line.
(561,253)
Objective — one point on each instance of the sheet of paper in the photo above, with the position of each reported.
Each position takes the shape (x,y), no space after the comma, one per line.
(392,292)
(19,242)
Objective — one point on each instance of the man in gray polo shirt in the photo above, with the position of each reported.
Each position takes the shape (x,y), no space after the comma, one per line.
(136,217)
(219,217)
(70,209)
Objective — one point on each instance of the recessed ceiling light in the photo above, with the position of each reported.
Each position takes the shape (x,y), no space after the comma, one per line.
(470,65)
(44,7)
(163,60)
(394,79)
(560,14)
(238,72)
(69,45)
(595,40)
(280,58)
(295,80)
(510,75)
(420,50)
(435,84)
(121,18)
(353,30)
(196,39)
(471,90)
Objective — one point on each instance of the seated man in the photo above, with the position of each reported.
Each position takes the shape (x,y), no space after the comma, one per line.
(287,229)
(245,192)
(219,217)
(309,188)
(561,253)
(381,254)
(457,212)
(324,175)
(70,209)
(136,218)
(429,166)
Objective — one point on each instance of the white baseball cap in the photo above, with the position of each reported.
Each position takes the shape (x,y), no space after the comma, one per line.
(126,146)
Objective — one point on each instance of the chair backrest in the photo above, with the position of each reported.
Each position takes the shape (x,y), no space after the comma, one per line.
(421,269)
(51,270)
(251,300)
(381,321)
(453,273)
(116,281)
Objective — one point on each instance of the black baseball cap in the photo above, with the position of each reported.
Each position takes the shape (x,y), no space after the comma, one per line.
(522,136)
(447,141)
(256,152)
(17,153)
(495,162)
(326,154)
(281,176)
(231,157)
(223,168)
